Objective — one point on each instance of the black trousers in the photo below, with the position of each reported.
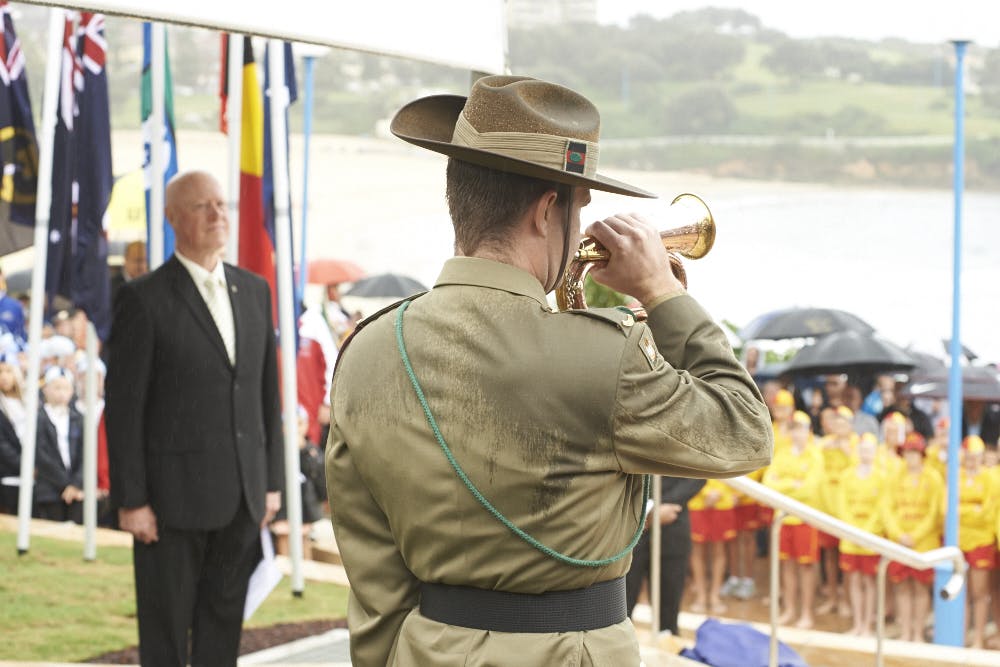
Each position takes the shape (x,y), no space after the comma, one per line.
(194,581)
(57,510)
(675,549)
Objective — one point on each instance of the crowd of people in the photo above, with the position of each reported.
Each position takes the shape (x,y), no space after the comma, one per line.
(877,461)
(58,480)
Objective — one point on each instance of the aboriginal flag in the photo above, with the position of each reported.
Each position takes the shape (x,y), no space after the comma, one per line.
(256,244)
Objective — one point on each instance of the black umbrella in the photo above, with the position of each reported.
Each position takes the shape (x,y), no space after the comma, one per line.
(770,371)
(384,285)
(802,323)
(850,352)
(979,383)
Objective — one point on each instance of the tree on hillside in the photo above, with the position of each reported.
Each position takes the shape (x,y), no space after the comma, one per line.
(808,59)
(989,79)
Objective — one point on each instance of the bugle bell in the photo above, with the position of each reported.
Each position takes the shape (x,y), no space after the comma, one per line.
(691,238)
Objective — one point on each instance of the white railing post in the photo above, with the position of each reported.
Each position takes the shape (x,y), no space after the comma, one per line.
(775,584)
(883,567)
(655,532)
(90,423)
(888,550)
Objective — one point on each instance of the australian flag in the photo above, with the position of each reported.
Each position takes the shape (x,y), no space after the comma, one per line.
(82,183)
(18,147)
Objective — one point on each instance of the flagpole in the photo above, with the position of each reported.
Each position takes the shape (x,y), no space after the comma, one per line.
(90,423)
(157,121)
(43,203)
(278,99)
(949,614)
(307,113)
(234,119)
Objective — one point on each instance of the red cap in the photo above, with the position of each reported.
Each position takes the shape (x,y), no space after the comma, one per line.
(913,442)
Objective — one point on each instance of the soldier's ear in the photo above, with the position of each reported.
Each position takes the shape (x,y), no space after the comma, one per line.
(545,212)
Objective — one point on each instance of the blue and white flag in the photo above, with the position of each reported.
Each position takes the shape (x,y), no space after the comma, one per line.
(166,132)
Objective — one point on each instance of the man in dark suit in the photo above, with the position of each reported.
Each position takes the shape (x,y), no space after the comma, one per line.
(133,266)
(194,433)
(675,549)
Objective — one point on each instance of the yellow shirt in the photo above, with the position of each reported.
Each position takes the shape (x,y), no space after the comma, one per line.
(756,476)
(858,500)
(888,462)
(798,475)
(835,461)
(782,439)
(977,516)
(936,456)
(911,507)
(726,501)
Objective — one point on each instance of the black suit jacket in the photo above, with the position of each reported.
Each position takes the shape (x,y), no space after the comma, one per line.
(10,448)
(53,476)
(189,433)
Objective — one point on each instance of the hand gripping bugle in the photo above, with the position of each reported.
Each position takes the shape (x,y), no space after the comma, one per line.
(691,238)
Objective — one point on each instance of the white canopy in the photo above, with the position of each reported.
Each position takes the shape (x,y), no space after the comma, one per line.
(456,33)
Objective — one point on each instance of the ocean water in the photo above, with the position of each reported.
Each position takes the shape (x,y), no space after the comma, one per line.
(885,255)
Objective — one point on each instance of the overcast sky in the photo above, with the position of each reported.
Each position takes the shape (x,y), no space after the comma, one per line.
(930,21)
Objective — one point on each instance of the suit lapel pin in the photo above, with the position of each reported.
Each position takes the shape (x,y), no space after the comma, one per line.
(232,288)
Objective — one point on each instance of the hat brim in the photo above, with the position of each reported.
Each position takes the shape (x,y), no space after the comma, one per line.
(430,123)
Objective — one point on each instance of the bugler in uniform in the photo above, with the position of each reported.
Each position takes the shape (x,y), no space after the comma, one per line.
(486,454)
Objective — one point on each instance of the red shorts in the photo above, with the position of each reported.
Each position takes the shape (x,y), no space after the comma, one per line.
(748,517)
(799,543)
(899,573)
(982,558)
(712,525)
(765,515)
(828,541)
(863,563)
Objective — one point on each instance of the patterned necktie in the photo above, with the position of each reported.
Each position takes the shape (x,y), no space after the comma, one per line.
(214,294)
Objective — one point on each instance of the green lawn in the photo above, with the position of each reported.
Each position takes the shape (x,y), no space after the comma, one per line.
(54,606)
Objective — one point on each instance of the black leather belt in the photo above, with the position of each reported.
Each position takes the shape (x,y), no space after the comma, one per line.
(590,608)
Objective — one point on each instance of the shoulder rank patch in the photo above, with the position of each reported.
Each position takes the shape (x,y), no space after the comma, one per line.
(623,320)
(648,348)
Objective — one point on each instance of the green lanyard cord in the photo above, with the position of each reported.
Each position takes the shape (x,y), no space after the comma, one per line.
(548,551)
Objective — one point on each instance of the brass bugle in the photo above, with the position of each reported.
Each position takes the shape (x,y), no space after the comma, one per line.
(691,236)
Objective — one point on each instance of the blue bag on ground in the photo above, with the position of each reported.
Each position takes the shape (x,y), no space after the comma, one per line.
(737,645)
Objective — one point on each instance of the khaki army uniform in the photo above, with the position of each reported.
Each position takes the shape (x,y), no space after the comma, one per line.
(552,416)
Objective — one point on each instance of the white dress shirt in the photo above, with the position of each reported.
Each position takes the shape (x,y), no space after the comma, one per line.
(215,291)
(59,414)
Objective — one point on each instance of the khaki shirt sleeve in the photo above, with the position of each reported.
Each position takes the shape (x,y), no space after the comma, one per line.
(689,408)
(383,590)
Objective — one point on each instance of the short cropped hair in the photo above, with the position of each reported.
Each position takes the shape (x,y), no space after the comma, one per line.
(485,204)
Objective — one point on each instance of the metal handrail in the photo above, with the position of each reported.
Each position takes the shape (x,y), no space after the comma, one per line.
(888,550)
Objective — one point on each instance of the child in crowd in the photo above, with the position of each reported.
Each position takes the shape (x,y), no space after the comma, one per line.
(59,485)
(741,550)
(797,471)
(312,487)
(713,523)
(781,418)
(838,448)
(12,416)
(937,449)
(859,496)
(910,514)
(894,429)
(977,512)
